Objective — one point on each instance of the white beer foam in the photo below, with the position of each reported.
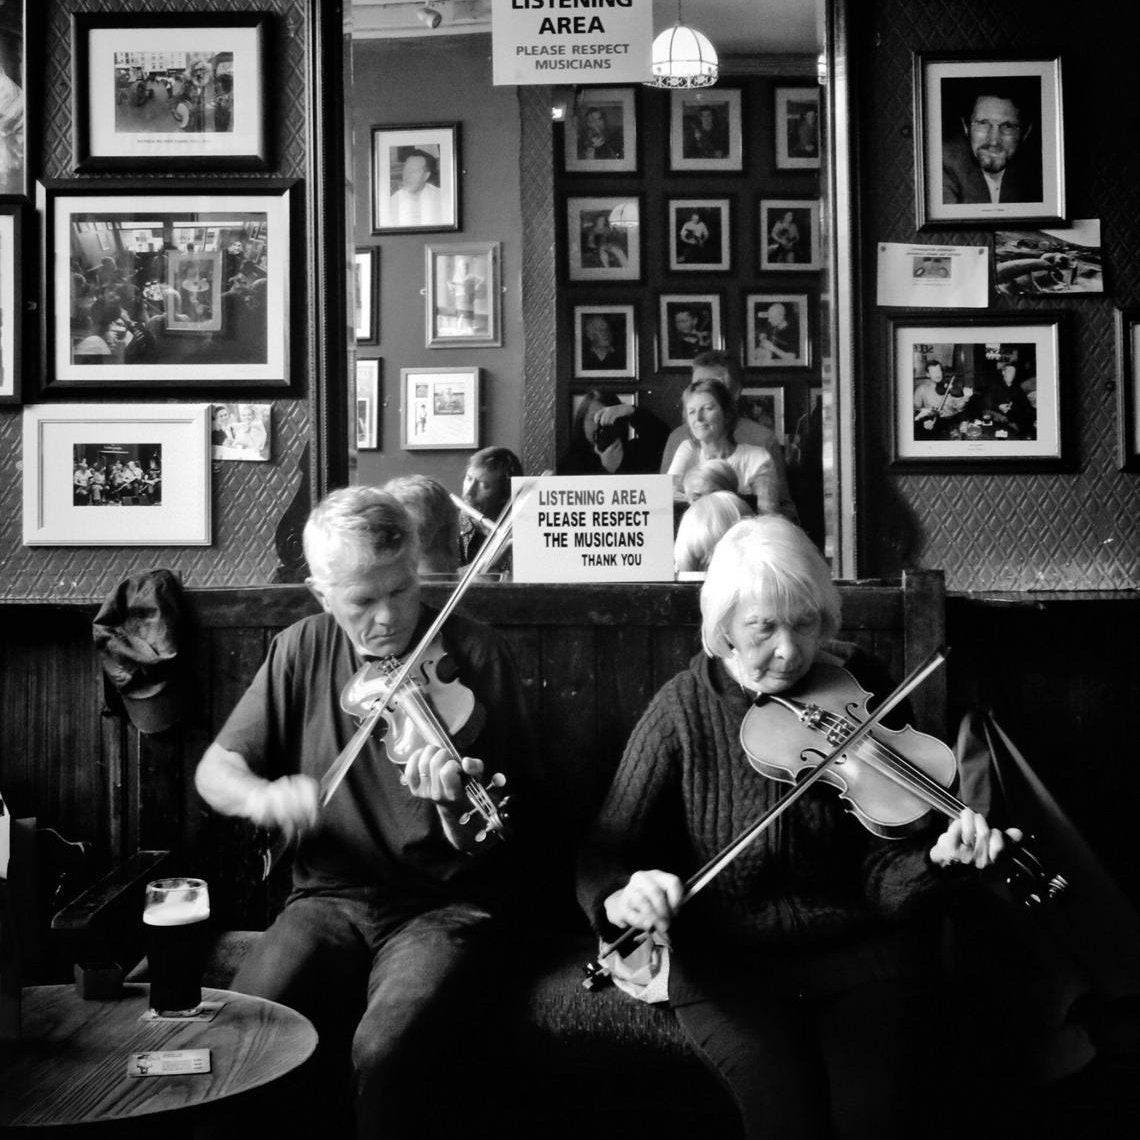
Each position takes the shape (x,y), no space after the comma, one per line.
(177,912)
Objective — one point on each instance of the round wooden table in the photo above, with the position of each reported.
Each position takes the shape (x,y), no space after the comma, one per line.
(70,1065)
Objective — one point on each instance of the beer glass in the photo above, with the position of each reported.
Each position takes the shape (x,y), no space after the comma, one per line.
(175,914)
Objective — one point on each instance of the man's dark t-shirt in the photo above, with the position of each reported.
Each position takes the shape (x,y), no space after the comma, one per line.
(374,833)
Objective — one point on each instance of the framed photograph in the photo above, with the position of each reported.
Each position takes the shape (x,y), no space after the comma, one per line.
(705,130)
(187,288)
(1064,260)
(241,432)
(170,92)
(688,324)
(700,240)
(789,235)
(366,294)
(603,238)
(11,301)
(977,392)
(601,131)
(14,138)
(777,330)
(605,342)
(797,128)
(367,404)
(765,406)
(439,408)
(117,475)
(462,295)
(989,140)
(415,178)
(1128,387)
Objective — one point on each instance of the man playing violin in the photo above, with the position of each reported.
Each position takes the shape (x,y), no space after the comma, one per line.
(395,900)
(803,973)
(941,403)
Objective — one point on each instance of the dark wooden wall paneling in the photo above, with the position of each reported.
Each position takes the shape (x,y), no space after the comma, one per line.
(589,660)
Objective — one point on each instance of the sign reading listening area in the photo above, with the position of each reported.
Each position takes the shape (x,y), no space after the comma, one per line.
(594,528)
(571,41)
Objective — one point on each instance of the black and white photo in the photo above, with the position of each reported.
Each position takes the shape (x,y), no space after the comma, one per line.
(241,432)
(605,342)
(700,238)
(117,474)
(705,132)
(601,131)
(366,294)
(789,234)
(1064,260)
(367,403)
(462,295)
(603,238)
(11,302)
(415,178)
(439,408)
(777,330)
(688,324)
(13,101)
(797,128)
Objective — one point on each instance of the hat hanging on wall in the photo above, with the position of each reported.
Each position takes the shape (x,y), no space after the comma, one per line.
(142,634)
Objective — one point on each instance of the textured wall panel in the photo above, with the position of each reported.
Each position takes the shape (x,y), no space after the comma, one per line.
(249,499)
(1008,532)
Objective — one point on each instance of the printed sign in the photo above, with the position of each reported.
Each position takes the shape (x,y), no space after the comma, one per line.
(594,528)
(571,41)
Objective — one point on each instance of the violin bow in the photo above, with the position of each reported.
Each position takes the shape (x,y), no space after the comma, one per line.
(486,556)
(595,971)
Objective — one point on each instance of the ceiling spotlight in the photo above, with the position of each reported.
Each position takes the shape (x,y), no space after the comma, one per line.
(429,16)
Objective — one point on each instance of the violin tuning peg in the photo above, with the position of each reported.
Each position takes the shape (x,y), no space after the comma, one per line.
(480,835)
(465,818)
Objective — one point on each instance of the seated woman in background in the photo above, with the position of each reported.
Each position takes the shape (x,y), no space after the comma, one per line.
(611,437)
(703,525)
(804,974)
(429,504)
(710,413)
(705,478)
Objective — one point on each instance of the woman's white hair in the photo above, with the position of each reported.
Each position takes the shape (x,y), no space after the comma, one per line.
(702,526)
(770,562)
(353,529)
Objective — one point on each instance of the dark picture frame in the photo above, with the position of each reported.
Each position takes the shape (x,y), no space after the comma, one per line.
(11,302)
(1128,388)
(687,325)
(777,331)
(102,331)
(416,178)
(171,91)
(463,302)
(798,136)
(603,238)
(700,234)
(789,239)
(15,142)
(367,418)
(1001,112)
(605,342)
(977,393)
(706,131)
(366,294)
(600,131)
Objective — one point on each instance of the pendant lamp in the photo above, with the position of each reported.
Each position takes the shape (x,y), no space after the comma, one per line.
(683,57)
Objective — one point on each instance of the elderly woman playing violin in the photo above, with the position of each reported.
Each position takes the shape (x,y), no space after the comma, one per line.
(802,973)
(394,901)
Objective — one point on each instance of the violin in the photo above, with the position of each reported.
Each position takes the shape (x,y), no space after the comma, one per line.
(427,709)
(890,792)
(891,780)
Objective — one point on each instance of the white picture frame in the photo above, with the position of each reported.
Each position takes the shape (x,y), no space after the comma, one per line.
(777,337)
(603,238)
(705,130)
(605,342)
(798,128)
(765,405)
(57,436)
(600,135)
(789,235)
(367,404)
(439,408)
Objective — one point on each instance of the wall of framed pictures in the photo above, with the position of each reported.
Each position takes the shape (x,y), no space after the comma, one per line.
(1001,521)
(180,188)
(449,282)
(689,220)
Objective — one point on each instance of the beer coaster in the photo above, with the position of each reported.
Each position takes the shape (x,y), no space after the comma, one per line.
(168,1063)
(208,1012)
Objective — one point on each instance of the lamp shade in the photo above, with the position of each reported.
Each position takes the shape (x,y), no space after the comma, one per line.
(683,57)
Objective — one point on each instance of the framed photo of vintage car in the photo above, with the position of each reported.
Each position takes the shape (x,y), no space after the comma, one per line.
(11,301)
(600,134)
(171,91)
(117,475)
(978,393)
(439,409)
(462,295)
(170,287)
(989,140)
(603,238)
(415,178)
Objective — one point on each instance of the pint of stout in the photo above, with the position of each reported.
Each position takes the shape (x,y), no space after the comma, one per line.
(175,914)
